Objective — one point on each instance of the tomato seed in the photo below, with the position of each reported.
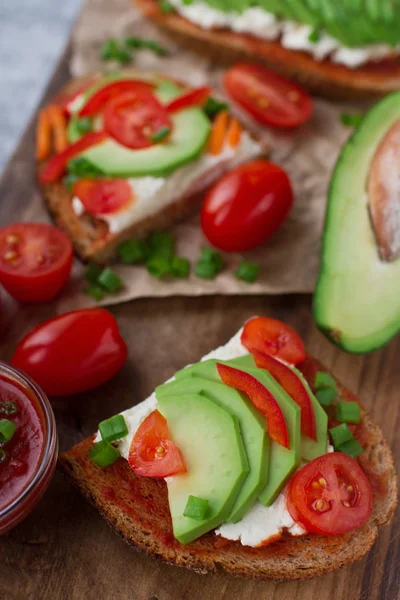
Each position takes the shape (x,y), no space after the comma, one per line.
(350,488)
(10,255)
(346,504)
(320,505)
(160,450)
(12,239)
(322,482)
(315,485)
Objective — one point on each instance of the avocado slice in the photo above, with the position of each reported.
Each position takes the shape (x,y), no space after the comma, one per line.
(205,378)
(356,301)
(211,444)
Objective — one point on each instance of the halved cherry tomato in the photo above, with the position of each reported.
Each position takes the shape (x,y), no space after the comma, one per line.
(97,102)
(246,206)
(273,337)
(134,117)
(195,97)
(293,385)
(72,353)
(262,399)
(152,453)
(331,495)
(268,97)
(57,164)
(35,261)
(103,196)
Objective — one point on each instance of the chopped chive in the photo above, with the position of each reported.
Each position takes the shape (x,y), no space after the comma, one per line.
(93,272)
(84,125)
(325,396)
(159,266)
(213,107)
(351,448)
(247,271)
(324,380)
(110,281)
(166,7)
(348,412)
(314,36)
(3,455)
(351,120)
(7,430)
(82,167)
(180,267)
(113,50)
(206,269)
(209,255)
(136,43)
(8,408)
(340,434)
(162,243)
(196,508)
(113,428)
(104,454)
(160,135)
(95,291)
(133,251)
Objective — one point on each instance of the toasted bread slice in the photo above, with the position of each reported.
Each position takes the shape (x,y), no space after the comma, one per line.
(137,508)
(90,235)
(322,77)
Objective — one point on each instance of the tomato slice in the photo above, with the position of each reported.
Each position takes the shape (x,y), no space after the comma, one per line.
(152,453)
(331,495)
(98,101)
(268,97)
(293,385)
(262,399)
(134,117)
(35,261)
(57,164)
(273,337)
(196,97)
(103,196)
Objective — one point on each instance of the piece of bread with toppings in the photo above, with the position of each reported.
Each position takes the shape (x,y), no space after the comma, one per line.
(137,506)
(165,182)
(375,77)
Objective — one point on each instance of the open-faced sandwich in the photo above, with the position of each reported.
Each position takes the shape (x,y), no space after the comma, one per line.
(336,47)
(126,153)
(254,460)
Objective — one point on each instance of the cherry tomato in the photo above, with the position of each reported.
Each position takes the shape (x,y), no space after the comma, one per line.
(273,337)
(195,97)
(262,399)
(134,117)
(152,453)
(97,102)
(72,353)
(268,97)
(293,385)
(35,261)
(103,196)
(331,495)
(57,164)
(246,206)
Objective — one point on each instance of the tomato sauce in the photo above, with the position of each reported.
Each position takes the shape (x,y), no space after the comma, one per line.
(24,451)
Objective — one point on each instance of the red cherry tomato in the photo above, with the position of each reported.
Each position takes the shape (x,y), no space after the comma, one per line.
(273,337)
(57,164)
(293,385)
(97,102)
(103,196)
(246,206)
(195,97)
(268,97)
(35,261)
(72,353)
(152,453)
(134,117)
(331,495)
(262,399)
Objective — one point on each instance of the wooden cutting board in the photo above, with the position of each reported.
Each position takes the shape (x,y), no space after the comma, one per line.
(64,550)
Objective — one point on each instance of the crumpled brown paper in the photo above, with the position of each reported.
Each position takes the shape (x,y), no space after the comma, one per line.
(289,261)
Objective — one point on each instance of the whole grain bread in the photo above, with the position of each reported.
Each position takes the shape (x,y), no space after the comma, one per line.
(321,77)
(137,509)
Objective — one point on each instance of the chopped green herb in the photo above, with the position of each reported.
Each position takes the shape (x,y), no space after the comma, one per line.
(110,281)
(3,455)
(159,266)
(196,508)
(104,454)
(69,181)
(205,269)
(162,243)
(133,251)
(160,135)
(95,291)
(7,430)
(324,380)
(348,412)
(180,267)
(113,428)
(166,7)
(340,434)
(209,264)
(314,36)
(8,408)
(84,125)
(113,50)
(351,120)
(82,167)
(93,272)
(351,448)
(325,396)
(136,43)
(213,107)
(247,271)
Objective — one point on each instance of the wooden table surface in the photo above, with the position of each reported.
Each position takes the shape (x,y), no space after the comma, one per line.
(64,550)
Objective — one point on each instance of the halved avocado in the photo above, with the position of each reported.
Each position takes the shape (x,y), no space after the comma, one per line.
(356,302)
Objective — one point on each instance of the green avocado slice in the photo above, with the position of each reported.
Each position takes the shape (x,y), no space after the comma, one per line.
(205,378)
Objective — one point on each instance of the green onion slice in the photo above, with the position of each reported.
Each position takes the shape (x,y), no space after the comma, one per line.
(104,454)
(110,281)
(324,380)
(348,412)
(158,266)
(196,508)
(7,430)
(325,396)
(95,291)
(247,271)
(113,428)
(93,272)
(351,448)
(205,269)
(180,267)
(340,435)
(213,107)
(160,135)
(133,251)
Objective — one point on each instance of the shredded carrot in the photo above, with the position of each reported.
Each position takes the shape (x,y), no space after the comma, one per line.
(218,133)
(59,126)
(234,133)
(43,135)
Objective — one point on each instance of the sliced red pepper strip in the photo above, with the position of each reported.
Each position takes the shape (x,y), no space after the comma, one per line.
(262,399)
(57,164)
(273,337)
(195,97)
(293,385)
(64,99)
(97,102)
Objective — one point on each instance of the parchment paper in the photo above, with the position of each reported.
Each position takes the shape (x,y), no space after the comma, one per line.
(289,261)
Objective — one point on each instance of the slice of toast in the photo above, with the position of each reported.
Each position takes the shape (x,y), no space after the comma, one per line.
(90,235)
(322,77)
(137,508)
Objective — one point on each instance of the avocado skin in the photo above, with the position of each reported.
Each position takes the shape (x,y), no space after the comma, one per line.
(355,303)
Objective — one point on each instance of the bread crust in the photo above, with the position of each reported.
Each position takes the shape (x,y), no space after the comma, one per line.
(322,77)
(137,509)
